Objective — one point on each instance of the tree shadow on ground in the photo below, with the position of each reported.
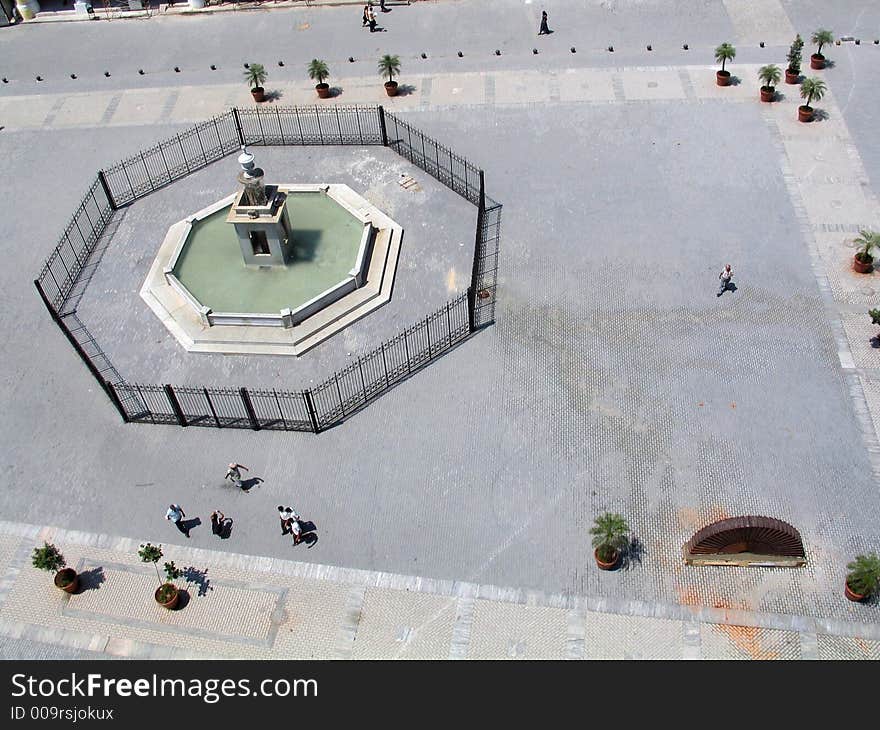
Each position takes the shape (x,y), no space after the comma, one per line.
(632,554)
(199,577)
(405,89)
(274,95)
(91,579)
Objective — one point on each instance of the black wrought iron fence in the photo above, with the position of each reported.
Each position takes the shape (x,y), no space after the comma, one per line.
(347,390)
(310,125)
(70,256)
(438,161)
(172,158)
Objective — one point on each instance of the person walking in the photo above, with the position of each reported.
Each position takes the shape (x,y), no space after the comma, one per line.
(287,515)
(544,29)
(233,473)
(371,18)
(176,514)
(366,17)
(218,523)
(725,276)
(382,7)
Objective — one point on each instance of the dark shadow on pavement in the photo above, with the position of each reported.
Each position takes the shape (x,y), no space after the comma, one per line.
(273,95)
(199,577)
(183,599)
(90,580)
(632,554)
(335,91)
(405,89)
(248,484)
(820,115)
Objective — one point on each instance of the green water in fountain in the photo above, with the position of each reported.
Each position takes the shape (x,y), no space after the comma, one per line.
(326,242)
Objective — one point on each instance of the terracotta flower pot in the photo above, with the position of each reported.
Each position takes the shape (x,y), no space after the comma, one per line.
(391,88)
(862,267)
(722,78)
(851,594)
(602,564)
(70,579)
(767,93)
(259,93)
(805,113)
(171,602)
(791,77)
(817,61)
(323,91)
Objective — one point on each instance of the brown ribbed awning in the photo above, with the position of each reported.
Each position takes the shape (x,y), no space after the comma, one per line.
(749,540)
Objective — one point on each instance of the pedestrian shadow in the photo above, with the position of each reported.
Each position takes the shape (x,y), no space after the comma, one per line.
(91,580)
(199,577)
(248,484)
(188,525)
(632,554)
(308,532)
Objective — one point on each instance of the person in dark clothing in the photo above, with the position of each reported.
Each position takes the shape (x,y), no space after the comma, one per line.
(544,28)
(366,18)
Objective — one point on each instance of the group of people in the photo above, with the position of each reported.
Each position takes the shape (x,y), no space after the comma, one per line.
(221,525)
(369,16)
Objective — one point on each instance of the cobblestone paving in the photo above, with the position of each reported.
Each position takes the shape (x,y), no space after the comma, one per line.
(237,606)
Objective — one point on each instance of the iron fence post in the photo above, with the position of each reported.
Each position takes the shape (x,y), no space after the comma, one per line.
(249,407)
(175,404)
(211,406)
(313,414)
(110,199)
(117,401)
(237,121)
(382,126)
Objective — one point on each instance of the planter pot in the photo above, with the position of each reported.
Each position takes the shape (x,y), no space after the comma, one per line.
(171,602)
(259,94)
(805,113)
(67,580)
(862,267)
(391,88)
(722,78)
(817,61)
(791,77)
(851,594)
(323,91)
(767,93)
(606,566)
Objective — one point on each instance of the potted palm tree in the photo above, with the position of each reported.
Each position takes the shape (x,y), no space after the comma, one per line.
(167,594)
(388,66)
(793,72)
(812,88)
(863,261)
(256,76)
(770,75)
(610,536)
(48,558)
(318,71)
(863,579)
(821,37)
(724,53)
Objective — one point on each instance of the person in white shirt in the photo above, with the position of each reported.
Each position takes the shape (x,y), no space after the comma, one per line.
(233,473)
(726,275)
(176,514)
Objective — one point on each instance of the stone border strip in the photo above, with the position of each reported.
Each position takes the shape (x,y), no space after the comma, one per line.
(463,590)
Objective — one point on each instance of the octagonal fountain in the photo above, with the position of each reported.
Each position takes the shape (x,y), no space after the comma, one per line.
(273,269)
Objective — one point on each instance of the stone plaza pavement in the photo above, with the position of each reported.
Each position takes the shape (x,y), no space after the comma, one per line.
(241,606)
(600,386)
